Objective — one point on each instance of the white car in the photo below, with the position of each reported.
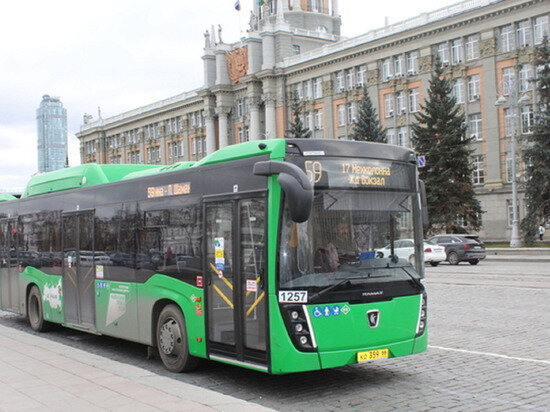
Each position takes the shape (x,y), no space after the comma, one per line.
(404,249)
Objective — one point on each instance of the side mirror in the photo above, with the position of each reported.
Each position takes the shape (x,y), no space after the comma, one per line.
(424,204)
(295,183)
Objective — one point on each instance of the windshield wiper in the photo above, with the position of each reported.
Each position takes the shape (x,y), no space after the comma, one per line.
(331,287)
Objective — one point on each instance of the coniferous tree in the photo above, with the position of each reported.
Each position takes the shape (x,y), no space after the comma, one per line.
(367,127)
(297,129)
(537,154)
(440,135)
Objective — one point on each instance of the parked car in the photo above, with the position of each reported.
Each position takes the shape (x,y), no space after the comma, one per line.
(404,249)
(461,248)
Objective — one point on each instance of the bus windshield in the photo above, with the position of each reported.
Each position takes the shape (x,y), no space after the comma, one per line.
(352,237)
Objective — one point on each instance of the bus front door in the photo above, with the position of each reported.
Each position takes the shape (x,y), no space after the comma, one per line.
(236,301)
(79,269)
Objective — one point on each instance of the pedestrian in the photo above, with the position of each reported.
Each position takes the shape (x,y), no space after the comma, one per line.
(541,232)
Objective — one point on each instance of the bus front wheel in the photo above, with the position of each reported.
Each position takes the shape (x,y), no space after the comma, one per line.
(35,311)
(172,341)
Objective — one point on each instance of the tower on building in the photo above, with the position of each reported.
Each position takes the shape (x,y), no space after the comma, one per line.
(51,122)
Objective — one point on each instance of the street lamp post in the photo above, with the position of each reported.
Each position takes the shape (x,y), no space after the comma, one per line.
(512,101)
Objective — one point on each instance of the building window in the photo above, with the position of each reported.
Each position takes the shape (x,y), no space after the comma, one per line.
(443,53)
(298,91)
(400,102)
(474,126)
(387,70)
(479,172)
(350,78)
(316,5)
(340,81)
(296,48)
(388,104)
(527,119)
(308,120)
(153,154)
(413,100)
(525,76)
(318,119)
(240,107)
(507,40)
(402,136)
(472,47)
(350,109)
(308,90)
(541,28)
(524,33)
(361,72)
(508,80)
(458,90)
(341,115)
(390,136)
(412,62)
(457,51)
(318,88)
(176,149)
(473,88)
(398,65)
(134,157)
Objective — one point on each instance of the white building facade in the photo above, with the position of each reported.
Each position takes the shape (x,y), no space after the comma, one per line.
(294,47)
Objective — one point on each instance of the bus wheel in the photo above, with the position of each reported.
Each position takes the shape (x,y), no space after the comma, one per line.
(172,341)
(35,313)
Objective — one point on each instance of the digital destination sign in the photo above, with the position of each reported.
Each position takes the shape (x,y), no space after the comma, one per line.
(169,190)
(359,173)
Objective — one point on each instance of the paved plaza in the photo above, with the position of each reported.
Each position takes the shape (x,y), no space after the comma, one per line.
(489,350)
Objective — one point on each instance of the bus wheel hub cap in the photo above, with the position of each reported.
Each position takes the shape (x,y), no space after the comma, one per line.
(169,335)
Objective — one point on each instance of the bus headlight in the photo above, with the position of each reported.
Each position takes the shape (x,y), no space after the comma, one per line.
(422,314)
(299,327)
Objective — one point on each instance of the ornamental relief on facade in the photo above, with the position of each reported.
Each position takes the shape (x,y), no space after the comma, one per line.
(401,120)
(487,47)
(425,64)
(526,55)
(327,87)
(401,84)
(237,63)
(372,77)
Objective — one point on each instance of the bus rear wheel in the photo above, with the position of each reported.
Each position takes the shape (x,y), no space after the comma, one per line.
(172,341)
(35,313)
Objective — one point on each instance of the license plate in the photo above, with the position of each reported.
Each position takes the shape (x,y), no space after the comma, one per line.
(373,355)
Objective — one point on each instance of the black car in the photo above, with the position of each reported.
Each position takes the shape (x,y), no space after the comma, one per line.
(460,248)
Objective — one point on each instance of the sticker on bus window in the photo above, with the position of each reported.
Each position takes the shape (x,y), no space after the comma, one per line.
(293,296)
(99,271)
(251,285)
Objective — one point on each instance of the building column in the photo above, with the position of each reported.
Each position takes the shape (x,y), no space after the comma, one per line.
(223,113)
(270,118)
(255,132)
(210,133)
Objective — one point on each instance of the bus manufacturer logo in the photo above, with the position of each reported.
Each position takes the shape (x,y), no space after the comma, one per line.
(373,316)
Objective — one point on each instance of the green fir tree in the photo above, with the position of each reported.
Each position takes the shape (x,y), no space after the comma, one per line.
(297,129)
(537,153)
(440,135)
(367,127)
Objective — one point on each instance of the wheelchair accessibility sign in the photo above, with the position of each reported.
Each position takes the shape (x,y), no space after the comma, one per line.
(328,311)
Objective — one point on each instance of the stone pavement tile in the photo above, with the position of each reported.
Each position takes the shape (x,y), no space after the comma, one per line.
(239,407)
(135,407)
(184,406)
(19,402)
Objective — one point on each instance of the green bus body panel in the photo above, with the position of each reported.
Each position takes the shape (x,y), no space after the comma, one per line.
(116,309)
(159,169)
(276,148)
(160,287)
(398,319)
(90,174)
(5,197)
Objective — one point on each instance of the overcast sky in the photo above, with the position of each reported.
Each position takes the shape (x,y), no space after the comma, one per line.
(119,55)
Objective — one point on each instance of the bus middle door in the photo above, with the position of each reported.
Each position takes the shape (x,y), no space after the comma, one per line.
(235,292)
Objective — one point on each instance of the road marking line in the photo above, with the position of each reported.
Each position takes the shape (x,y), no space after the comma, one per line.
(496,355)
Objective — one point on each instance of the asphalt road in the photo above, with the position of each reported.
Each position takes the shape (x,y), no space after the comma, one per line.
(489,349)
